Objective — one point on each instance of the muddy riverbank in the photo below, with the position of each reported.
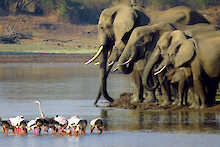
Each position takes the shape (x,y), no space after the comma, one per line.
(124,103)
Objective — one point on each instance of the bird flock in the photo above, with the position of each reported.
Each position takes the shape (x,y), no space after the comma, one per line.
(58,125)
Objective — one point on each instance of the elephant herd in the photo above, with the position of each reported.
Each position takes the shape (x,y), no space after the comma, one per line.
(173,53)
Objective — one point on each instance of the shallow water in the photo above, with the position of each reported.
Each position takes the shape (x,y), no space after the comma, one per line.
(70,89)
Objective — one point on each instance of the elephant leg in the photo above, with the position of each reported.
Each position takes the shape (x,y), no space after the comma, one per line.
(181,92)
(150,96)
(139,90)
(174,92)
(185,99)
(199,89)
(165,90)
(98,97)
(194,97)
(212,87)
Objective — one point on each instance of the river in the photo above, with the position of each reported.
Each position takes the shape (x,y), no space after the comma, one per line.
(70,89)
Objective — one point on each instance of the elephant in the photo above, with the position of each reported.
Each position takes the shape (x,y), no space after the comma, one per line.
(183,77)
(177,15)
(202,56)
(115,27)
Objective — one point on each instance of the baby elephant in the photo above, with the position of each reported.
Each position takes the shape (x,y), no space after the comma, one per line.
(182,76)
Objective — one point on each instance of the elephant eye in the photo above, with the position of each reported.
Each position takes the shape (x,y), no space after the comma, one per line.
(101,27)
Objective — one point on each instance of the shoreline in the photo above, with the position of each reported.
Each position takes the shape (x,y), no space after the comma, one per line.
(30,57)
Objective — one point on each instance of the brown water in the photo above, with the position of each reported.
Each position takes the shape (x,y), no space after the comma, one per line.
(69,89)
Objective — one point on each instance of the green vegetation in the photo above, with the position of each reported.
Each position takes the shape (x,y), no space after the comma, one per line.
(86,11)
(42,48)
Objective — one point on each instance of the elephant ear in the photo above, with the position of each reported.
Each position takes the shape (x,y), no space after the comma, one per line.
(184,54)
(124,22)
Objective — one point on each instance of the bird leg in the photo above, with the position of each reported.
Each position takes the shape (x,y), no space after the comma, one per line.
(6,131)
(3,130)
(39,130)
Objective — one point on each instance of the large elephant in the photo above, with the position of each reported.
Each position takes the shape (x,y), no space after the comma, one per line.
(203,56)
(177,15)
(115,27)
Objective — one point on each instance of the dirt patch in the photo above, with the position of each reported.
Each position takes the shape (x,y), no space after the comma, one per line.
(48,35)
(124,102)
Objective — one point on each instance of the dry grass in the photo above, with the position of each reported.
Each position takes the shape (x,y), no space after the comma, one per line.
(49,35)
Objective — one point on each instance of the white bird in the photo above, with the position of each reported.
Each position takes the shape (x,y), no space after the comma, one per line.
(61,120)
(62,124)
(73,121)
(77,124)
(31,125)
(98,124)
(41,121)
(40,108)
(81,127)
(15,121)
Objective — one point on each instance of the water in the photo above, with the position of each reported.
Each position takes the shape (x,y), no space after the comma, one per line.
(70,89)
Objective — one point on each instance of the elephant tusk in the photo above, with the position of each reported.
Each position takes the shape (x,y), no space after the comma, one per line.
(160,70)
(97,63)
(96,55)
(110,64)
(116,68)
(129,60)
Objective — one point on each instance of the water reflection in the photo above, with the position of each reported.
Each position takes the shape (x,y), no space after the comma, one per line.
(187,122)
(59,81)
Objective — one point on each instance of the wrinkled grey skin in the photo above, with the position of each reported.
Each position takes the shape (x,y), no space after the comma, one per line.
(114,29)
(203,56)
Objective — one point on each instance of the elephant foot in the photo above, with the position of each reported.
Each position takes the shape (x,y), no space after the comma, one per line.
(150,99)
(135,100)
(194,106)
(180,104)
(176,102)
(203,106)
(95,105)
(165,103)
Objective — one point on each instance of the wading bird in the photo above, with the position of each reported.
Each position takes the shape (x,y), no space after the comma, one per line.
(98,124)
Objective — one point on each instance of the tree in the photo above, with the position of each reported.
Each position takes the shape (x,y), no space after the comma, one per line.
(4,4)
(22,4)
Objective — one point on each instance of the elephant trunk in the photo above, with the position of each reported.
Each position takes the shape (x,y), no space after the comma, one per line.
(148,81)
(126,62)
(104,75)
